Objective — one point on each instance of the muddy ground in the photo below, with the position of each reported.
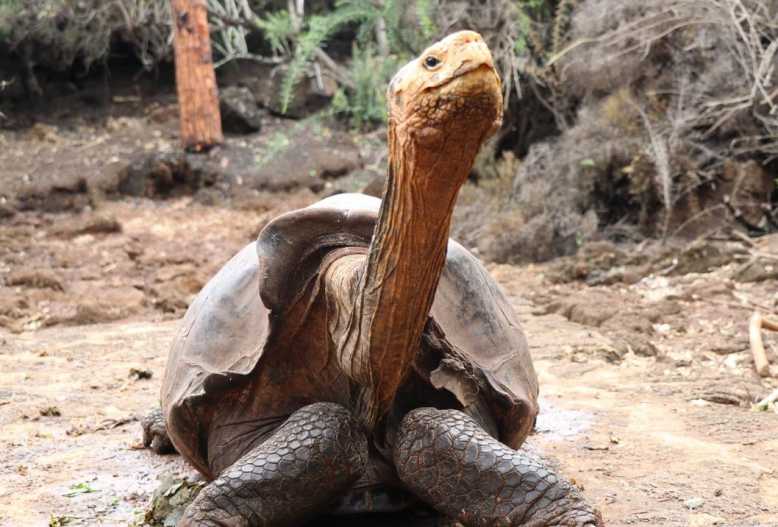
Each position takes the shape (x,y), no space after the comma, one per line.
(646,376)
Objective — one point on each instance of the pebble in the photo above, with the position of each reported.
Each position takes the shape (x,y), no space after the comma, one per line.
(694,503)
(704,520)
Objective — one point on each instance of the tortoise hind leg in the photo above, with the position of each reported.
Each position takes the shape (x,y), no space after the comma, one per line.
(155,433)
(450,462)
(298,472)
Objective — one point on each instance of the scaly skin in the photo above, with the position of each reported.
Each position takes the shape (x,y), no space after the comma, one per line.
(310,461)
(443,456)
(155,433)
(447,460)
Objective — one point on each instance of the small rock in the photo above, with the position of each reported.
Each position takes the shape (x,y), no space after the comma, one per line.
(632,322)
(636,343)
(657,311)
(100,225)
(757,271)
(731,396)
(140,374)
(706,289)
(704,520)
(726,348)
(35,280)
(94,224)
(701,257)
(50,411)
(86,313)
(239,111)
(694,503)
(6,211)
(657,289)
(596,447)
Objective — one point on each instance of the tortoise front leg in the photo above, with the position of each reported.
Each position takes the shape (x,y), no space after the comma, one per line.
(155,433)
(450,462)
(299,471)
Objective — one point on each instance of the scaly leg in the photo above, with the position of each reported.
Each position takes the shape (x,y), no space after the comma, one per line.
(299,471)
(450,462)
(155,433)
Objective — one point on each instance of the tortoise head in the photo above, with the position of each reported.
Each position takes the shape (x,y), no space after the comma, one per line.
(450,94)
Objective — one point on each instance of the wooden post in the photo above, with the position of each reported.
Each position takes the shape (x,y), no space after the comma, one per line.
(198,95)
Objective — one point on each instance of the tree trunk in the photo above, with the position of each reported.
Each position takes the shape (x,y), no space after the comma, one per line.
(198,95)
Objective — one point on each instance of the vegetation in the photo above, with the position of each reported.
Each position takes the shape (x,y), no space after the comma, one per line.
(65,32)
(667,124)
(382,39)
(623,119)
(365,102)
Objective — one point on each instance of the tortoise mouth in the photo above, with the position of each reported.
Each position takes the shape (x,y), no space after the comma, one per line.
(466,68)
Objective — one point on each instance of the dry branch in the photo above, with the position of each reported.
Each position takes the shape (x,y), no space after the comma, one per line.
(757,346)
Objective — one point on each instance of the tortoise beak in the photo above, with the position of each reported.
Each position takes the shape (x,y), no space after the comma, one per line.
(474,55)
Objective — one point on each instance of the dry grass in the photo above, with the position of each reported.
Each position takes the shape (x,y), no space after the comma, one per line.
(66,31)
(671,95)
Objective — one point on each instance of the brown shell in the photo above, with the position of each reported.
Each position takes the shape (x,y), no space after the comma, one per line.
(229,326)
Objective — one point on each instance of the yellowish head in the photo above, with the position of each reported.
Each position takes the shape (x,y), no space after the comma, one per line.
(452,87)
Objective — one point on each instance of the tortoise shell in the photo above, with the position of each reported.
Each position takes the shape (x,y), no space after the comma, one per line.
(229,359)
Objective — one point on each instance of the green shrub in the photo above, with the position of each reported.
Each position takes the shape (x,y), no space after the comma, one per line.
(365,103)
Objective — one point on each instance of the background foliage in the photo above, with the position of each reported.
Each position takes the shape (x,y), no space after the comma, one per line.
(624,119)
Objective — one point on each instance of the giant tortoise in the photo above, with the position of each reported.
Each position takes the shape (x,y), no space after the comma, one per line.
(355,359)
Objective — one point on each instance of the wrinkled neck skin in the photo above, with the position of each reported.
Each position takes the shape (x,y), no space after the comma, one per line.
(392,291)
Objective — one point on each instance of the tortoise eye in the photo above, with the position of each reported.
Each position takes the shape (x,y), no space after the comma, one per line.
(431,62)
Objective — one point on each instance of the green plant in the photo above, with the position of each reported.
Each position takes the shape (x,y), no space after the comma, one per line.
(278,30)
(365,102)
(7,9)
(382,34)
(79,488)
(66,31)
(426,16)
(59,521)
(319,29)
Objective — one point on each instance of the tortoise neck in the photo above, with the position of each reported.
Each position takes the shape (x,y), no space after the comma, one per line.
(406,258)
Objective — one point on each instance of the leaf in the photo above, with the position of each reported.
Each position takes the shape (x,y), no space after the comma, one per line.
(59,521)
(79,488)
(320,28)
(172,490)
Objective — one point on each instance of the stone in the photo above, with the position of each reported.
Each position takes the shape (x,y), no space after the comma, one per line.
(239,111)
(308,159)
(43,279)
(757,270)
(636,343)
(704,520)
(265,82)
(694,503)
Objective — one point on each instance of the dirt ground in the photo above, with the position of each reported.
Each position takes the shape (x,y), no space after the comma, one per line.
(641,434)
(646,377)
